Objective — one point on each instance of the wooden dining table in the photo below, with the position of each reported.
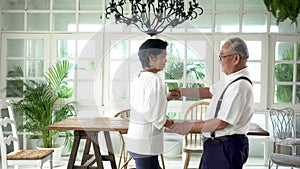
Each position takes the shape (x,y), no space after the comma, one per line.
(88,128)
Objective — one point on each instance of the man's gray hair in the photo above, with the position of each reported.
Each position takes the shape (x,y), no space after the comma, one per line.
(239,46)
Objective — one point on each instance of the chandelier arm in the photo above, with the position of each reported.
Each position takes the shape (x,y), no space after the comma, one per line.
(140,18)
(153,18)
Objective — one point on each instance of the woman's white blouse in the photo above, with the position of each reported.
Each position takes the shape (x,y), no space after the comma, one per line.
(147,115)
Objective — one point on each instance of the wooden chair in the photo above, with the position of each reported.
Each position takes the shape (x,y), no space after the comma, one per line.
(17,157)
(124,154)
(193,142)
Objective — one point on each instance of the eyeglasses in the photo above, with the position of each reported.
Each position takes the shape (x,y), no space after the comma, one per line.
(224,56)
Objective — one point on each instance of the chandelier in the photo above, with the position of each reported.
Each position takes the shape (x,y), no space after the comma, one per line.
(153,18)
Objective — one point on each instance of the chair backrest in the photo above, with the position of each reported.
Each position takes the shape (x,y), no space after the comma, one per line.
(282,122)
(8,130)
(123,114)
(195,112)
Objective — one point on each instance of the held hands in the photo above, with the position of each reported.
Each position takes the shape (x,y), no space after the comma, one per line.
(169,123)
(174,93)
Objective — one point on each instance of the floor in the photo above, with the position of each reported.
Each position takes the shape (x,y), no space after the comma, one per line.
(171,163)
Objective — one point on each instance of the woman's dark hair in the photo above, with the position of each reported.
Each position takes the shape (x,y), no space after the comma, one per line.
(151,47)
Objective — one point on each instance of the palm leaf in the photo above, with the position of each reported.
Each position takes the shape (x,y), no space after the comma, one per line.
(57,73)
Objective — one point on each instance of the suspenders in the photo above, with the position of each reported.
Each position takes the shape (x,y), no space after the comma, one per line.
(212,134)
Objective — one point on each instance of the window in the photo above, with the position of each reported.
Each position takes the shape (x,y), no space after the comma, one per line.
(286,70)
(25,58)
(83,51)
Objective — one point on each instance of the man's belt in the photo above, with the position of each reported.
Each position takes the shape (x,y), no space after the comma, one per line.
(218,140)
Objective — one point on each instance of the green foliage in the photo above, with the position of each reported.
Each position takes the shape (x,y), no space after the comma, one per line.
(175,70)
(284,73)
(283,9)
(42,105)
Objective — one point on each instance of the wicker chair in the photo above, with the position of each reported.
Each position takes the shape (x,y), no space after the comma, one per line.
(284,135)
(17,157)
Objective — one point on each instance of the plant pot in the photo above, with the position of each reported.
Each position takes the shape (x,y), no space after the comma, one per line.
(56,154)
(172,148)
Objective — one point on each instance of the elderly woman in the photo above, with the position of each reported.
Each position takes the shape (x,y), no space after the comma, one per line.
(148,100)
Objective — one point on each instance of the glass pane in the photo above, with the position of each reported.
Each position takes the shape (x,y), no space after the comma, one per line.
(282,27)
(174,70)
(38,5)
(227,23)
(196,50)
(12,86)
(38,21)
(298,95)
(119,50)
(35,48)
(284,51)
(85,69)
(298,21)
(15,47)
(82,93)
(284,72)
(254,5)
(64,5)
(227,5)
(121,93)
(13,5)
(283,94)
(89,22)
(298,73)
(64,22)
(176,50)
(255,71)
(13,64)
(66,48)
(298,58)
(119,70)
(195,70)
(254,23)
(134,45)
(90,4)
(16,25)
(86,48)
(256,92)
(254,48)
(34,68)
(206,4)
(202,23)
(111,26)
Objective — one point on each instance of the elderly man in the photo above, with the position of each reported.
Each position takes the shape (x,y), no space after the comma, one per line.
(228,117)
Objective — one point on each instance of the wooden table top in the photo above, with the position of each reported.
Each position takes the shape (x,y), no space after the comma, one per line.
(91,124)
(117,124)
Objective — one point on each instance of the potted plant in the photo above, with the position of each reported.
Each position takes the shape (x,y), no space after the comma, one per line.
(41,104)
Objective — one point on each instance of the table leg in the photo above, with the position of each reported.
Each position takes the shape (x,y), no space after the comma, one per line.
(93,138)
(77,137)
(88,160)
(86,152)
(110,149)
